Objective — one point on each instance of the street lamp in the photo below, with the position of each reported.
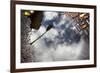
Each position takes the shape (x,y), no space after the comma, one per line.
(48,28)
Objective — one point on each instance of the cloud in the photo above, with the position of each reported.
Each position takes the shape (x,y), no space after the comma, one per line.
(36,33)
(51,34)
(61,52)
(69,52)
(51,50)
(61,42)
(50,15)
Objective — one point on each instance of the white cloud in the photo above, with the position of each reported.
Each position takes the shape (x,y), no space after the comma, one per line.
(69,52)
(51,34)
(42,30)
(63,20)
(62,51)
(34,34)
(50,15)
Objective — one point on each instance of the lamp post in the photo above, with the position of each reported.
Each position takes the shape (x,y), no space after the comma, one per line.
(48,28)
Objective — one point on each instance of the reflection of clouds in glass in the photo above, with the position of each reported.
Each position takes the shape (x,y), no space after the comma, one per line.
(62,42)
